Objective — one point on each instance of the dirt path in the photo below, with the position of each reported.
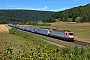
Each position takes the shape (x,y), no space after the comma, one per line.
(3,28)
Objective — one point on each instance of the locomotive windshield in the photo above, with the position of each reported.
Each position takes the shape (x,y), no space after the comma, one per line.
(70,33)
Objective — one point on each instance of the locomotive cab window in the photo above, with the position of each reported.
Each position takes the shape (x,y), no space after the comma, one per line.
(70,33)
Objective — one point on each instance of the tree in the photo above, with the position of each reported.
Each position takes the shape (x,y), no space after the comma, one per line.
(78,19)
(63,19)
(69,20)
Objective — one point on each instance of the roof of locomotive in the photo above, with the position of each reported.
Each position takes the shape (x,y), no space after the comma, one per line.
(61,30)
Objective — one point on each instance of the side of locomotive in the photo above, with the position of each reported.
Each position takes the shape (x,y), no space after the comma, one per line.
(65,35)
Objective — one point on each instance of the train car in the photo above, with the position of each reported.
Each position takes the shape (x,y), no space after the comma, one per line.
(31,29)
(22,28)
(18,27)
(28,29)
(11,25)
(34,30)
(44,31)
(25,28)
(38,30)
(64,34)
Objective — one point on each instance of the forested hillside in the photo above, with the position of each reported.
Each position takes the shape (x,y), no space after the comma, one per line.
(7,16)
(76,14)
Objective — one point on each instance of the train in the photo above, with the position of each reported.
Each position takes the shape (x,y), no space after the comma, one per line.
(60,34)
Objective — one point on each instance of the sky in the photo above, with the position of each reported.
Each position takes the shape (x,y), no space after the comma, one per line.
(44,5)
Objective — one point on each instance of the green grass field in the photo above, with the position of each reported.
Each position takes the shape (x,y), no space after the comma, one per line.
(23,45)
(17,42)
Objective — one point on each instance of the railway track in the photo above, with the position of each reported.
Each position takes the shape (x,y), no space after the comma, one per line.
(81,43)
(55,40)
(75,43)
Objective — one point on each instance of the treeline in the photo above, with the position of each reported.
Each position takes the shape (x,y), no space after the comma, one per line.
(76,14)
(15,16)
(37,23)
